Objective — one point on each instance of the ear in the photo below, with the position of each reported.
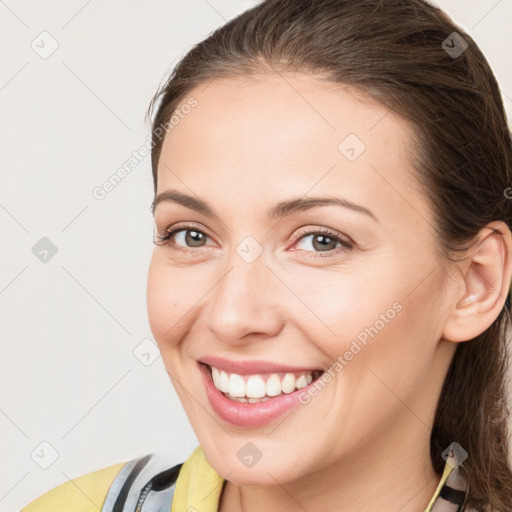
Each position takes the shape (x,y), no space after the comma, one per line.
(485,280)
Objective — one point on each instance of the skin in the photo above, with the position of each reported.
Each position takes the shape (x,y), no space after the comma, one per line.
(362,444)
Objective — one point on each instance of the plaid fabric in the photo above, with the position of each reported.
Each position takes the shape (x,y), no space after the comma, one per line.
(451,490)
(451,494)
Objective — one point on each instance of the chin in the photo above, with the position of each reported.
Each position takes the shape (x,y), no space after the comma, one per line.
(264,472)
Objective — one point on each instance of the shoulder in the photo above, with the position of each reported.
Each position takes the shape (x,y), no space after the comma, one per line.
(80,494)
(148,480)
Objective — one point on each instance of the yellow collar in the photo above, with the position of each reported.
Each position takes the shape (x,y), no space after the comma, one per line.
(199,486)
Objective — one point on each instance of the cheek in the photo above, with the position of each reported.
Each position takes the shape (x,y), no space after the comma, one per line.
(394,364)
(167,302)
(366,320)
(338,306)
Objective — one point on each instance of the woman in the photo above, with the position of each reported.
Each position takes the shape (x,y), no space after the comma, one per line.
(332,258)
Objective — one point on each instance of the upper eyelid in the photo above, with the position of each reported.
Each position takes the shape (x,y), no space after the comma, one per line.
(313,230)
(186,227)
(173,230)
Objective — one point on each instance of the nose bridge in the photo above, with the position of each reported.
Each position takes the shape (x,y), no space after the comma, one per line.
(244,299)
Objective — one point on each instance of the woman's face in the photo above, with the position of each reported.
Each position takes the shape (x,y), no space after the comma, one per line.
(305,244)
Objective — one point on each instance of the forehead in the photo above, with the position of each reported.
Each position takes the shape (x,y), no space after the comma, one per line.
(265,134)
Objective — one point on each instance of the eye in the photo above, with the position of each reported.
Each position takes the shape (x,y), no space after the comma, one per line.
(183,237)
(323,241)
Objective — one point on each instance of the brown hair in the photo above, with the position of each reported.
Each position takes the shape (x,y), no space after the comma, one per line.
(398,51)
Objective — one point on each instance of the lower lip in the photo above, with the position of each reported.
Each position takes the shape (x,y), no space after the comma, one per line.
(246,414)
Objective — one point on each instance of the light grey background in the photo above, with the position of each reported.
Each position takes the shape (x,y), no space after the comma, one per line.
(69,326)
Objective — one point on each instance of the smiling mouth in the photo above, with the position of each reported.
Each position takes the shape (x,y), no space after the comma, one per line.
(256,388)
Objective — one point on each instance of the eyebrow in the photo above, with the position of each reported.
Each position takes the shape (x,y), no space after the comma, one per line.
(279,210)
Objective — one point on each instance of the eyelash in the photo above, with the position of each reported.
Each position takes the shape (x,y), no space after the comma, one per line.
(346,245)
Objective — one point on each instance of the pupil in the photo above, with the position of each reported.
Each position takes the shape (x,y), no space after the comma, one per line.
(193,241)
(324,241)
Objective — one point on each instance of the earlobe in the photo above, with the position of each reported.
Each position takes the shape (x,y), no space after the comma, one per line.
(486,274)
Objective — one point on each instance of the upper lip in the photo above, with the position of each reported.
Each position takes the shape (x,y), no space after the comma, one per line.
(251,367)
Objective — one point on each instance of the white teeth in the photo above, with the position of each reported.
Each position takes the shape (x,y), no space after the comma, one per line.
(301,382)
(236,385)
(274,385)
(239,399)
(216,377)
(288,383)
(255,389)
(224,381)
(258,400)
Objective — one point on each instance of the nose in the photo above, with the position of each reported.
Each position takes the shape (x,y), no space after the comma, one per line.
(246,302)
